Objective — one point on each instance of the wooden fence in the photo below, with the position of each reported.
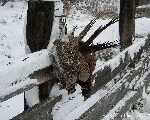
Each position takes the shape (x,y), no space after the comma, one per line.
(126,90)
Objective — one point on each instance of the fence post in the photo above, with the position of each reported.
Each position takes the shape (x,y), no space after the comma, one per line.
(39,26)
(127,22)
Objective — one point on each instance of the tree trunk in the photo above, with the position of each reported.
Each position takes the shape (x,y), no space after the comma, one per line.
(127,22)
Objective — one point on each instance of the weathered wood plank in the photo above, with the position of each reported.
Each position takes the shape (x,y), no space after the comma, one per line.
(126,105)
(17,92)
(108,102)
(105,73)
(119,111)
(17,71)
(117,92)
(42,76)
(40,111)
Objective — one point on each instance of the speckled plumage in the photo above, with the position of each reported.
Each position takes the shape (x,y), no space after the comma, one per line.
(70,65)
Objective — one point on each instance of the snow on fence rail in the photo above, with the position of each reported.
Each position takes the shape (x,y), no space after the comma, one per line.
(14,74)
(126,89)
(36,113)
(118,99)
(116,65)
(125,78)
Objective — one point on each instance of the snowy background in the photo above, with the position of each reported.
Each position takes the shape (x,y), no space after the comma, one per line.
(13,47)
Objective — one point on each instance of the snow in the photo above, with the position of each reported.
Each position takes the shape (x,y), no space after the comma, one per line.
(142,111)
(73,106)
(85,105)
(146,102)
(12,41)
(136,115)
(138,82)
(111,34)
(12,88)
(32,96)
(67,104)
(144,6)
(68,109)
(55,29)
(12,107)
(142,26)
(55,92)
(115,62)
(11,47)
(14,62)
(18,70)
(17,4)
(118,6)
(114,112)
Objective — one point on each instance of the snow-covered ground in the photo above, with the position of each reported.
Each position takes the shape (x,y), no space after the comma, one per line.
(12,30)
(13,46)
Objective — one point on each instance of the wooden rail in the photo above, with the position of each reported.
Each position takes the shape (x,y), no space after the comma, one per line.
(40,70)
(120,91)
(36,113)
(127,75)
(17,72)
(110,102)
